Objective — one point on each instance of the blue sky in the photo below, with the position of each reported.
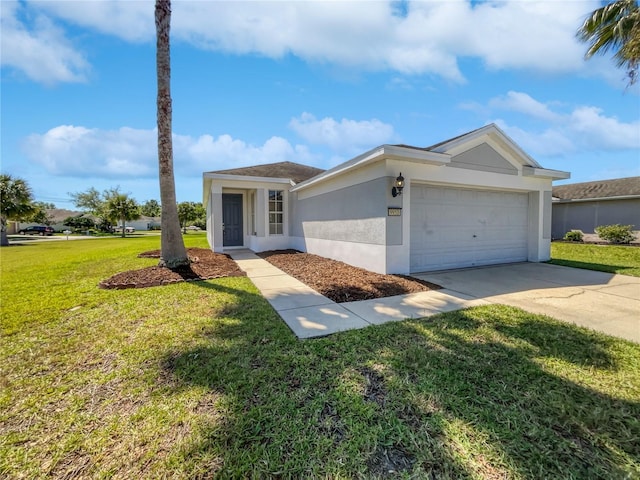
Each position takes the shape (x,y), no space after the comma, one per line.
(310,82)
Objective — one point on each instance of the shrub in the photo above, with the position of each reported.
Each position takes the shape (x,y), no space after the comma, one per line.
(616,233)
(573,236)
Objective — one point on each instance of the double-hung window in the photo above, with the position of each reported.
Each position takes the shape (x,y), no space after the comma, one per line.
(276,212)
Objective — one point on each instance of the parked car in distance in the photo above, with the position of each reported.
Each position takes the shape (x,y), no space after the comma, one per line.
(37,230)
(193,227)
(127,229)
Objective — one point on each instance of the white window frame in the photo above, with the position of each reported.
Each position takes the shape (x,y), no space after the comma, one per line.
(274,211)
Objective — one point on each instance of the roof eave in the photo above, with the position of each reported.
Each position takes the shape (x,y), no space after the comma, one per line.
(391,152)
(595,199)
(528,171)
(208,177)
(245,178)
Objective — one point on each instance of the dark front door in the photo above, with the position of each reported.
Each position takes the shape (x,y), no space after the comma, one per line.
(232,220)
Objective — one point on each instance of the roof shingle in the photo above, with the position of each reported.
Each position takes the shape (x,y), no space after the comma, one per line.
(619,187)
(295,171)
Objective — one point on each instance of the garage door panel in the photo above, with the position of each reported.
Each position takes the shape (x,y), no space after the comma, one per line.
(454,228)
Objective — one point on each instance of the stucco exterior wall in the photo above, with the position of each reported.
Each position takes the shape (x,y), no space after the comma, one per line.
(365,255)
(353,214)
(349,224)
(588,215)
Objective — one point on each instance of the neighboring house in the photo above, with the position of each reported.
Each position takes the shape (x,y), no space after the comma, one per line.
(476,199)
(59,215)
(585,206)
(142,223)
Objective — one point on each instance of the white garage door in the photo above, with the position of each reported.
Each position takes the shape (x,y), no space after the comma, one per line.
(456,227)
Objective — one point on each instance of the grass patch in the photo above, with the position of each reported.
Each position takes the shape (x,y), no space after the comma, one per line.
(604,258)
(203,379)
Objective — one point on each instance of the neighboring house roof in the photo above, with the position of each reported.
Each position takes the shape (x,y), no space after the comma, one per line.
(294,171)
(59,215)
(619,187)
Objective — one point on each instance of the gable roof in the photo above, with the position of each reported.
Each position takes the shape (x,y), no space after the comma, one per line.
(618,187)
(440,154)
(435,146)
(294,171)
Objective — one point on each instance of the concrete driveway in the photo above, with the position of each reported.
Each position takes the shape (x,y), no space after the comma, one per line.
(601,301)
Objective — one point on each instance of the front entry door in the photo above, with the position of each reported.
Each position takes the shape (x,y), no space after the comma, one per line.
(232,220)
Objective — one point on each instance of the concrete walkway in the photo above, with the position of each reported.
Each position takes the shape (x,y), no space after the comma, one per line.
(310,314)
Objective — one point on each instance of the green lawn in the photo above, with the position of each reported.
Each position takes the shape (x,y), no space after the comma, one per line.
(204,380)
(606,258)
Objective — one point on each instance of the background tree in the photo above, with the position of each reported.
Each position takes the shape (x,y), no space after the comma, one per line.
(186,214)
(42,214)
(95,203)
(79,222)
(615,27)
(46,205)
(173,253)
(91,201)
(120,206)
(151,208)
(201,216)
(16,203)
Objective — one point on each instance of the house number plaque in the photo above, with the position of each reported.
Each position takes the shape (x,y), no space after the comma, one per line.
(394,212)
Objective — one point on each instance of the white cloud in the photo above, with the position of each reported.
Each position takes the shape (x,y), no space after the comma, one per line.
(428,38)
(423,38)
(549,142)
(536,35)
(39,48)
(209,153)
(583,128)
(616,170)
(130,20)
(83,152)
(344,136)
(132,153)
(523,103)
(599,131)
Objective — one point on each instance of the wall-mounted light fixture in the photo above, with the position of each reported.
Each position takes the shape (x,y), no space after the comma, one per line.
(398,185)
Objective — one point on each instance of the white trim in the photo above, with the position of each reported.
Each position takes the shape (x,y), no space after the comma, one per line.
(491,129)
(237,181)
(235,191)
(391,152)
(545,173)
(595,199)
(285,219)
(248,178)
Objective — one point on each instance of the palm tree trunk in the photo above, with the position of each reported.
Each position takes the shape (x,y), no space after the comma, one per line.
(173,253)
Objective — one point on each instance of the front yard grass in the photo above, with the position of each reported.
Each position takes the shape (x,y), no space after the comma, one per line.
(605,258)
(203,379)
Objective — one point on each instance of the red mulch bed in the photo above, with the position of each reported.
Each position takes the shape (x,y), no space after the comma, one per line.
(336,280)
(341,282)
(205,265)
